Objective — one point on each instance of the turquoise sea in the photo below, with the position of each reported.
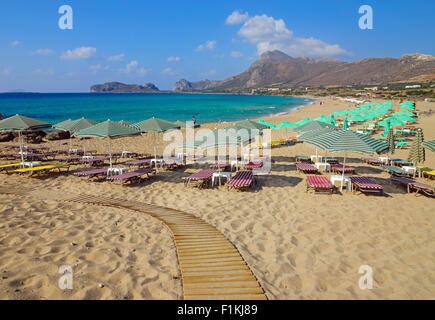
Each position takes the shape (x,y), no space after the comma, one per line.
(56,107)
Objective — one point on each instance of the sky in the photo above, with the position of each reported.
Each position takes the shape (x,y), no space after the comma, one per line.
(140,41)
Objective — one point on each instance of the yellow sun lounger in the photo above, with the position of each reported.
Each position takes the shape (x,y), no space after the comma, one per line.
(42,169)
(429,174)
(10,166)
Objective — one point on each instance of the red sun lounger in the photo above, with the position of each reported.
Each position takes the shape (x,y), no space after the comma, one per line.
(306,168)
(242,180)
(364,184)
(412,185)
(92,173)
(139,163)
(254,165)
(132,177)
(319,184)
(339,168)
(201,178)
(372,161)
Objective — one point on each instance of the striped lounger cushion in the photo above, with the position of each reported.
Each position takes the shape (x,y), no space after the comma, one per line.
(91,172)
(372,161)
(414,185)
(320,184)
(200,175)
(242,179)
(339,168)
(305,167)
(132,176)
(365,184)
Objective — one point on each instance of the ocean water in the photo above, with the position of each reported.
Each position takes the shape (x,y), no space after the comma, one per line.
(56,107)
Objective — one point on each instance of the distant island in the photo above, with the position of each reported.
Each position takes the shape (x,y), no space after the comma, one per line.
(118,87)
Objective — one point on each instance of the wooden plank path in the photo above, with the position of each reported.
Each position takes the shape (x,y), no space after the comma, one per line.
(211,267)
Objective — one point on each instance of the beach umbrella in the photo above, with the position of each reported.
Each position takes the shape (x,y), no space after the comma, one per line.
(393,121)
(322,118)
(186,124)
(126,123)
(62,123)
(416,153)
(156,125)
(405,117)
(339,113)
(303,121)
(107,129)
(285,125)
(271,125)
(332,120)
(429,145)
(390,140)
(347,141)
(74,126)
(21,123)
(248,124)
(313,125)
(345,124)
(357,118)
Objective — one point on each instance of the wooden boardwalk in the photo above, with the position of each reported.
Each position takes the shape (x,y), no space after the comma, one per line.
(211,267)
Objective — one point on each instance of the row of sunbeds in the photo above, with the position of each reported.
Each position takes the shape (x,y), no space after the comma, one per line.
(242,180)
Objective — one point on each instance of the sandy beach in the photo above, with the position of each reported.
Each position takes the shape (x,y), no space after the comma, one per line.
(298,245)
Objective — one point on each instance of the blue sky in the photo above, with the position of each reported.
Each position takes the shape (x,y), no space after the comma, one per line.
(139,41)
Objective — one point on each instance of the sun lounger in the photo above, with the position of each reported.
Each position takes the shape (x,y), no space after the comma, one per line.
(364,184)
(133,176)
(70,159)
(330,160)
(201,178)
(253,165)
(242,180)
(372,161)
(42,169)
(306,168)
(396,171)
(11,166)
(338,168)
(428,174)
(220,165)
(303,159)
(90,174)
(412,185)
(170,164)
(138,163)
(320,184)
(95,161)
(400,162)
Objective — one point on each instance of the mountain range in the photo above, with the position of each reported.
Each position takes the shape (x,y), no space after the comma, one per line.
(277,69)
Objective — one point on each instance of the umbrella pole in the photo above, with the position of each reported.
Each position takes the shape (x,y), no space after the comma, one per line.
(342,174)
(155,150)
(70,141)
(20,139)
(110,152)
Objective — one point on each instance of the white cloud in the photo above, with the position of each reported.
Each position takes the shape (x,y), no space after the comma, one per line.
(208,45)
(119,57)
(142,72)
(208,73)
(15,43)
(43,52)
(5,71)
(79,53)
(270,34)
(44,72)
(95,68)
(130,67)
(171,59)
(237,17)
(236,54)
(169,71)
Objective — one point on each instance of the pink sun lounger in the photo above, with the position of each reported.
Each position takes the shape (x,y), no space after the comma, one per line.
(364,184)
(339,168)
(306,168)
(319,184)
(201,178)
(242,180)
(414,185)
(92,173)
(139,163)
(133,176)
(372,161)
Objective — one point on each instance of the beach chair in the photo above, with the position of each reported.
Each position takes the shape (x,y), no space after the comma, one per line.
(372,161)
(338,168)
(412,185)
(200,179)
(11,166)
(242,180)
(306,159)
(253,165)
(169,164)
(139,163)
(133,176)
(320,184)
(96,161)
(306,168)
(91,174)
(400,162)
(331,160)
(396,171)
(364,184)
(70,159)
(42,169)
